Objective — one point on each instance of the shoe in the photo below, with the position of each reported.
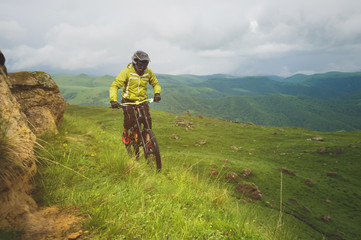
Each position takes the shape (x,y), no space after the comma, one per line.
(125,139)
(149,146)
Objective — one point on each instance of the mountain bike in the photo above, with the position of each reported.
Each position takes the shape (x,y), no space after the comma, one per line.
(140,136)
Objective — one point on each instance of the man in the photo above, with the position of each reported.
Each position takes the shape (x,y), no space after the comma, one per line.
(134,79)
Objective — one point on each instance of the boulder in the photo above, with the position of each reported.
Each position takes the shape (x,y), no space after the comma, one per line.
(40,100)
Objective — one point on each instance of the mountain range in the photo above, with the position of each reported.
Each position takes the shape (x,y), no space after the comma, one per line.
(323,102)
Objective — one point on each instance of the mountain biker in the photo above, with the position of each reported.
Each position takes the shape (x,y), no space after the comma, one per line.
(134,79)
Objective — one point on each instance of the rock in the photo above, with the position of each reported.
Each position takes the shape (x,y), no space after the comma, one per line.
(322,150)
(231,176)
(326,218)
(74,236)
(3,70)
(203,142)
(200,116)
(213,172)
(174,137)
(309,182)
(249,189)
(246,173)
(318,139)
(234,148)
(184,123)
(40,100)
(188,114)
(332,174)
(285,170)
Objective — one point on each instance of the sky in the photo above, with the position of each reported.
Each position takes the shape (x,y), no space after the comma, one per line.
(201,37)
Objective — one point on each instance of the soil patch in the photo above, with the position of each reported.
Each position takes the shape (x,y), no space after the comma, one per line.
(50,223)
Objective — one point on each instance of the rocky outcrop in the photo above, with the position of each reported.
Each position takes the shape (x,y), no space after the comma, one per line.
(40,100)
(17,159)
(31,105)
(3,69)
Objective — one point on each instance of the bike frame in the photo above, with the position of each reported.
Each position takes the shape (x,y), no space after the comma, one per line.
(138,108)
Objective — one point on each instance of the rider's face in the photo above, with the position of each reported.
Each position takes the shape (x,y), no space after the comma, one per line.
(141,66)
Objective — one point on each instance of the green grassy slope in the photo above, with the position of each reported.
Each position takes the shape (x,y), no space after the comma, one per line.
(121,198)
(272,110)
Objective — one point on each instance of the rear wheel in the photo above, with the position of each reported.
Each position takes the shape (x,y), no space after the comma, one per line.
(151,150)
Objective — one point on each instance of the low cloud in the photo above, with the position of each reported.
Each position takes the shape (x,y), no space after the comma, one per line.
(202,37)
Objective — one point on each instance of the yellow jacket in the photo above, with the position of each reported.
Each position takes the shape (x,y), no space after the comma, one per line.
(134,86)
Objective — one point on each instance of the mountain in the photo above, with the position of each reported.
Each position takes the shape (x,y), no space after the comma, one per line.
(341,83)
(323,102)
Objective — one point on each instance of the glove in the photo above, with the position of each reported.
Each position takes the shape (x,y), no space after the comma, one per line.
(115,104)
(157,97)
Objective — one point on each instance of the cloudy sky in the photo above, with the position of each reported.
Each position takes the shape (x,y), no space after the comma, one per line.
(239,37)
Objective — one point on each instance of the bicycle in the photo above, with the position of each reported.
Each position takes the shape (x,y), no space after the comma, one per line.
(143,137)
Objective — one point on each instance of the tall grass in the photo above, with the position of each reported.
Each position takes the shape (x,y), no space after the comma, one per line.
(122,198)
(10,144)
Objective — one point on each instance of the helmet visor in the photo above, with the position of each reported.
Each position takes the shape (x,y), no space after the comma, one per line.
(141,64)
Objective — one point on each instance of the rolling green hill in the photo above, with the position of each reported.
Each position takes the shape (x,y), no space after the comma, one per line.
(309,180)
(339,82)
(320,102)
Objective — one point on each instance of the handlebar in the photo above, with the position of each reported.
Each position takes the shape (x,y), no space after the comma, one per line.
(137,102)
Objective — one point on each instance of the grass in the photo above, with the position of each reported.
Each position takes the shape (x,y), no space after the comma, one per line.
(86,168)
(9,145)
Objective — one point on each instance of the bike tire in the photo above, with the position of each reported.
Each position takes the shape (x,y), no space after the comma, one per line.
(154,154)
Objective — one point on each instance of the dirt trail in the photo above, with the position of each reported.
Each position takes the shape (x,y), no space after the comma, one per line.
(50,223)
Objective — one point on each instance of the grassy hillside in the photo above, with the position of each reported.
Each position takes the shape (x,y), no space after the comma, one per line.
(273,110)
(120,198)
(339,82)
(320,102)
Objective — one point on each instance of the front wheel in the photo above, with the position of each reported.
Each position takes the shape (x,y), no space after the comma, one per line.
(151,149)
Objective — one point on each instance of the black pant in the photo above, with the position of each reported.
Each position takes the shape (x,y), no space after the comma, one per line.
(129,118)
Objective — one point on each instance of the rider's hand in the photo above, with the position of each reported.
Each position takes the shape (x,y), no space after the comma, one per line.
(115,104)
(157,97)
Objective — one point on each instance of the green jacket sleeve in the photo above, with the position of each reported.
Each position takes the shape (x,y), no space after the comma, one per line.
(118,83)
(154,82)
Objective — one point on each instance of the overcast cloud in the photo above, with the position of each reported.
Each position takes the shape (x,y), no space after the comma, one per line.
(239,37)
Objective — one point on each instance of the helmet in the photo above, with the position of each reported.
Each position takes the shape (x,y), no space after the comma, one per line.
(140,61)
(141,56)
